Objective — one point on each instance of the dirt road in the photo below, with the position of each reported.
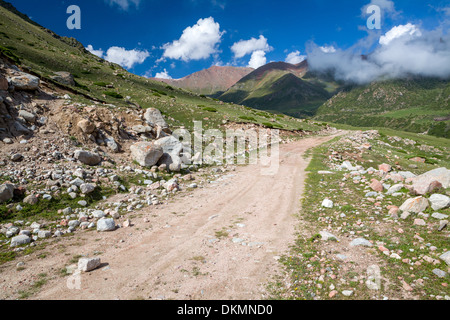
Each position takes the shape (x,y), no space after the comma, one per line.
(218,242)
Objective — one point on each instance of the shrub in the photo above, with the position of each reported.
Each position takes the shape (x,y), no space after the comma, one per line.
(113,94)
(247,118)
(210,109)
(101,84)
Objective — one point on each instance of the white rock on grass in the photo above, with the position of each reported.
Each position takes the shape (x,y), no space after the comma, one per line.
(361,242)
(20,240)
(327,204)
(446,257)
(88,264)
(439,201)
(327,236)
(415,205)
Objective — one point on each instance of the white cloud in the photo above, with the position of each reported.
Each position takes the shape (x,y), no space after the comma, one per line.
(328,49)
(295,57)
(197,42)
(245,47)
(124,4)
(422,53)
(258,59)
(98,53)
(163,75)
(126,58)
(404,32)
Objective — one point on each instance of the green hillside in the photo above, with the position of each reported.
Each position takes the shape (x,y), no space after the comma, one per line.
(415,105)
(283,88)
(42,52)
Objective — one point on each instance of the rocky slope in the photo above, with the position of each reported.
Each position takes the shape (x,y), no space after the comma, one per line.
(212,82)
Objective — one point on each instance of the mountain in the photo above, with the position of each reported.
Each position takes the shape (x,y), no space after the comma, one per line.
(416,104)
(212,81)
(41,52)
(282,88)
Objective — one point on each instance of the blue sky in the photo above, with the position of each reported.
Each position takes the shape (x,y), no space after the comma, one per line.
(176,38)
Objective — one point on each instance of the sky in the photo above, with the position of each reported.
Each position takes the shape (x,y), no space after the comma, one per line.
(172,39)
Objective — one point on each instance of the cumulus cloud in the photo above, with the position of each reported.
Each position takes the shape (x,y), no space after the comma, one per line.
(121,56)
(124,4)
(196,43)
(328,49)
(163,75)
(245,47)
(258,59)
(295,57)
(98,53)
(403,51)
(403,31)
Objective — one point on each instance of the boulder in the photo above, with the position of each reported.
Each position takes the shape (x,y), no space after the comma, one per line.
(147,154)
(20,240)
(88,264)
(31,199)
(105,224)
(327,204)
(376,185)
(86,126)
(87,188)
(170,145)
(6,192)
(24,81)
(88,158)
(155,119)
(439,201)
(446,257)
(63,77)
(385,167)
(112,145)
(28,116)
(415,205)
(431,180)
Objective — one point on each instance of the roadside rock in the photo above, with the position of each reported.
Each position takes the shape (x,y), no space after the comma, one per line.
(426,182)
(327,204)
(86,126)
(88,264)
(154,118)
(28,116)
(24,81)
(361,242)
(88,158)
(446,257)
(63,77)
(20,240)
(87,188)
(147,154)
(105,224)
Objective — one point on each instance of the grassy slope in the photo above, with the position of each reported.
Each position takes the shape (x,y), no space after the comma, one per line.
(44,53)
(410,105)
(279,91)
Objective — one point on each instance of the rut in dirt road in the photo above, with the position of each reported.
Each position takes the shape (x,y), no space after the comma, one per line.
(220,242)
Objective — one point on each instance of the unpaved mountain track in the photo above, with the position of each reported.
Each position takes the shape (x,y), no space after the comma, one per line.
(179,255)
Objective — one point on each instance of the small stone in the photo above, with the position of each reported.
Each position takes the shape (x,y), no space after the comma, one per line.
(419,222)
(440,273)
(105,224)
(347,293)
(361,242)
(88,264)
(327,204)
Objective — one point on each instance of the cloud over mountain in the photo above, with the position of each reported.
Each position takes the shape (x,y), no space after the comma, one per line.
(196,43)
(121,56)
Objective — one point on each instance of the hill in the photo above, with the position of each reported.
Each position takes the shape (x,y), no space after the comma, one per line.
(283,88)
(42,52)
(212,81)
(415,105)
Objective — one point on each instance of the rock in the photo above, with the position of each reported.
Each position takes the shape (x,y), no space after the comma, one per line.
(419,222)
(44,234)
(415,205)
(347,293)
(376,185)
(63,77)
(105,224)
(394,189)
(407,174)
(440,273)
(426,182)
(361,242)
(88,158)
(154,118)
(98,214)
(442,224)
(87,188)
(446,257)
(24,81)
(86,126)
(8,141)
(418,159)
(141,129)
(439,201)
(73,223)
(147,154)
(28,116)
(12,231)
(346,165)
(385,167)
(20,240)
(6,192)
(83,203)
(88,264)
(171,185)
(172,162)
(439,216)
(112,145)
(3,85)
(327,204)
(327,236)
(31,199)
(16,157)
